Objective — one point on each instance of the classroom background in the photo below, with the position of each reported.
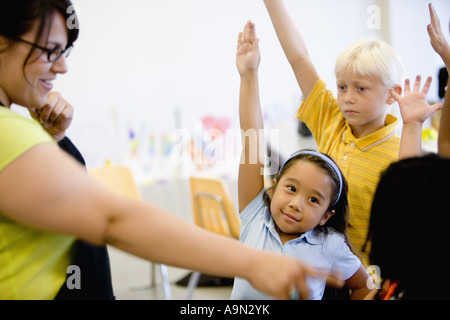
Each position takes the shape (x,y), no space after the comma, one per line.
(155,87)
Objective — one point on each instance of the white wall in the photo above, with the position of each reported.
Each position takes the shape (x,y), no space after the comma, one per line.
(139,62)
(410,38)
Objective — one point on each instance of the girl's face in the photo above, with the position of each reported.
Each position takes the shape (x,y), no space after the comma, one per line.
(30,87)
(301,199)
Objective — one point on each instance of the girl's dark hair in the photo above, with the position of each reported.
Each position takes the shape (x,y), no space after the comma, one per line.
(18,17)
(340,220)
(409,226)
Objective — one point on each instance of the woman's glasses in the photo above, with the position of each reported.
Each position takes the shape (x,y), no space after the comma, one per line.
(52,54)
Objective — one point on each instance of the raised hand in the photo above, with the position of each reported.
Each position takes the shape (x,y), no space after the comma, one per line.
(437,38)
(413,105)
(55,117)
(247,55)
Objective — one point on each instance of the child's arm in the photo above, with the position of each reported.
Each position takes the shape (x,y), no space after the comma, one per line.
(251,178)
(415,110)
(441,46)
(358,284)
(444,128)
(437,38)
(293,45)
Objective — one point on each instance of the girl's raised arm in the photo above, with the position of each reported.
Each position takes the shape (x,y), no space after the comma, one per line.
(251,178)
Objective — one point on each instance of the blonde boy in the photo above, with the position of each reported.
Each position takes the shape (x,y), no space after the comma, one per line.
(355,128)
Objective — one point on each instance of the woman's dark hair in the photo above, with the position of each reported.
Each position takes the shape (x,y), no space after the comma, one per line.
(409,225)
(18,17)
(340,220)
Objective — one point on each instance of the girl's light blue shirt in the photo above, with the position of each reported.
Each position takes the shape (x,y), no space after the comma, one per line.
(328,252)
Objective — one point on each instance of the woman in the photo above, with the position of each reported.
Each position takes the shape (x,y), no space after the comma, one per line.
(48,201)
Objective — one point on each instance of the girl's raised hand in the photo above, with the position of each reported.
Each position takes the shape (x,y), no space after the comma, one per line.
(247,55)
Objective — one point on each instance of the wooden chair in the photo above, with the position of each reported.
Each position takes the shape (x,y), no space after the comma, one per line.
(119,179)
(213,210)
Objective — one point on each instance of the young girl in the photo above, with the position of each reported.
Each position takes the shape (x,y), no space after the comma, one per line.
(309,192)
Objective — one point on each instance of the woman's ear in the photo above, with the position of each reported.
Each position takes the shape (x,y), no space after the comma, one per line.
(398,89)
(326,216)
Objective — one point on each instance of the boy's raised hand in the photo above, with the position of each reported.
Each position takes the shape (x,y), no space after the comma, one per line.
(247,55)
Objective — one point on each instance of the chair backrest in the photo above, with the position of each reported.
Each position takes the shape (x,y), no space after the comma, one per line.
(213,208)
(118,179)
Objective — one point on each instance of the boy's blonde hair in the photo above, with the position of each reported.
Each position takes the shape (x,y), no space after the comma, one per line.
(370,56)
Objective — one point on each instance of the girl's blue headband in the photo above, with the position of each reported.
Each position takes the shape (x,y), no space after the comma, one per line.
(327,160)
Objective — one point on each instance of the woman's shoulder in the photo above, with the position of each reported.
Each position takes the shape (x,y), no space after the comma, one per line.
(18,134)
(17,127)
(11,120)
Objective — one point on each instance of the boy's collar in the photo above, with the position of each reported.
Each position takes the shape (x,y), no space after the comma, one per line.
(373,139)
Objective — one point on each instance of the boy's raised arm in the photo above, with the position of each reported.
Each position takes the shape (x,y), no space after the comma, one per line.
(251,178)
(293,45)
